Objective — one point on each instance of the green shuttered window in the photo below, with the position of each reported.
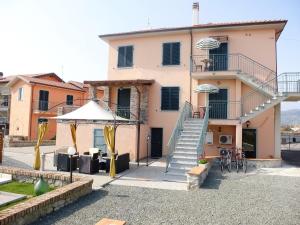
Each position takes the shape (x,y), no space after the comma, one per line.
(125,56)
(169,98)
(171,53)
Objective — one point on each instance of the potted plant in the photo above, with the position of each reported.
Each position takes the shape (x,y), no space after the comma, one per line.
(202,162)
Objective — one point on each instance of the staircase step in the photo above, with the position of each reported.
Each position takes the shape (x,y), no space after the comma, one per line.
(185,156)
(185,147)
(185,161)
(185,143)
(182,166)
(185,153)
(175,177)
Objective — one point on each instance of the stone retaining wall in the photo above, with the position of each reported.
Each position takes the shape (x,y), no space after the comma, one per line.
(30,143)
(30,210)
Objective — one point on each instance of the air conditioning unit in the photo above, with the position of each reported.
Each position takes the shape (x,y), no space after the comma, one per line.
(225,139)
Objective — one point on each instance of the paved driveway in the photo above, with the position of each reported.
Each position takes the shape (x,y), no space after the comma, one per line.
(265,197)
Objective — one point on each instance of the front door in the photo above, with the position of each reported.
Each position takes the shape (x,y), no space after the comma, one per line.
(156,142)
(219,58)
(218,104)
(249,142)
(123,108)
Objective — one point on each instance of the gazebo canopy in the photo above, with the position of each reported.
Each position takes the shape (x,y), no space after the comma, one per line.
(91,111)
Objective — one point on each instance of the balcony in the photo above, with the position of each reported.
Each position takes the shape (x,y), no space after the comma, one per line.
(204,66)
(123,112)
(223,112)
(53,108)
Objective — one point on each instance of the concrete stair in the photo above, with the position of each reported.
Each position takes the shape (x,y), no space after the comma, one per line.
(256,83)
(185,153)
(263,107)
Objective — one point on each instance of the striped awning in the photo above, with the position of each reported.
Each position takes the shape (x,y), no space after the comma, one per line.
(208,43)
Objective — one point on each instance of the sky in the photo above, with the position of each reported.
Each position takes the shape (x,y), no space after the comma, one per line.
(61,36)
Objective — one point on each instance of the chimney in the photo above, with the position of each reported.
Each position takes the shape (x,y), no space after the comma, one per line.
(195,13)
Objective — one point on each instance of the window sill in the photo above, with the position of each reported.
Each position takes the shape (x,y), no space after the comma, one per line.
(124,68)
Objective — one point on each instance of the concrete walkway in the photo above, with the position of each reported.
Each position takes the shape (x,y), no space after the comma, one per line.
(152,176)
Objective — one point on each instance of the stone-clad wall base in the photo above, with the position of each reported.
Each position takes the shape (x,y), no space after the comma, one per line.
(197,175)
(30,210)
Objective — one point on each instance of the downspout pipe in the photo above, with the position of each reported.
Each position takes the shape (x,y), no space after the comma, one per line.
(191,63)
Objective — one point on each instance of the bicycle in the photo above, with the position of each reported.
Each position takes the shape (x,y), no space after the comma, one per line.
(225,159)
(240,159)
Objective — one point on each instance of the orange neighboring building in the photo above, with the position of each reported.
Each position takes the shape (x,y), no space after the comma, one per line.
(34,98)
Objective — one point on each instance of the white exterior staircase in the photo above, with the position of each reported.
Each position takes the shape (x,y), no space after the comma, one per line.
(185,153)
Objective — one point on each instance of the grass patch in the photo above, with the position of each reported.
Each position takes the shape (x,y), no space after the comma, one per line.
(19,188)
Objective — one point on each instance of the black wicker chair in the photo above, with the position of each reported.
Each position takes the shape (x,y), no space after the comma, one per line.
(63,162)
(88,164)
(122,163)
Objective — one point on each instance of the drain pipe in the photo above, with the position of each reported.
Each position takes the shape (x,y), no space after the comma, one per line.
(191,62)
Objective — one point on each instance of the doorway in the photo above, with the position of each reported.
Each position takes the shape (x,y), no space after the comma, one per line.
(249,142)
(156,142)
(43,100)
(219,58)
(123,108)
(218,104)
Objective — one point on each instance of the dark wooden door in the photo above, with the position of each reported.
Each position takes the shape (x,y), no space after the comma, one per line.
(156,142)
(249,142)
(218,104)
(219,58)
(123,108)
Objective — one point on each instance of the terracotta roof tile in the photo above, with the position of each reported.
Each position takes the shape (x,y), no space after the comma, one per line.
(51,83)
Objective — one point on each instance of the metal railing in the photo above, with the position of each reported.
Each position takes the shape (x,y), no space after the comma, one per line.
(53,107)
(200,143)
(123,112)
(235,62)
(186,112)
(287,83)
(229,110)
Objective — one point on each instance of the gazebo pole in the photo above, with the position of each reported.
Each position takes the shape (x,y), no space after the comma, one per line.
(138,126)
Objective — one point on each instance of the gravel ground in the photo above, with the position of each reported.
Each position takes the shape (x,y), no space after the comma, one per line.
(224,199)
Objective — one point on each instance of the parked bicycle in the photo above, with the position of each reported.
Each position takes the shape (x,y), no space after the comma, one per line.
(225,158)
(239,158)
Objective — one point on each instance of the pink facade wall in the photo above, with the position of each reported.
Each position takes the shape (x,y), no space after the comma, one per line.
(147,64)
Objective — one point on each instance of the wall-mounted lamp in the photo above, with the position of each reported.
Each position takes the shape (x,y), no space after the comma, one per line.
(247,123)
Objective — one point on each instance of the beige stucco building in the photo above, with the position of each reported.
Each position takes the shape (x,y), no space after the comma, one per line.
(160,68)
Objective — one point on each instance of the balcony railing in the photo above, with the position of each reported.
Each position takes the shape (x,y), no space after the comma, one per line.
(40,106)
(289,82)
(234,62)
(4,105)
(224,110)
(123,112)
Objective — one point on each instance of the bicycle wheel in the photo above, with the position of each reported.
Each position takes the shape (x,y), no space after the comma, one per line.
(244,165)
(229,164)
(222,165)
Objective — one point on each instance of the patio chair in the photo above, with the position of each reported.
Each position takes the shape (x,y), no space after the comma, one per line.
(63,162)
(89,164)
(56,152)
(122,163)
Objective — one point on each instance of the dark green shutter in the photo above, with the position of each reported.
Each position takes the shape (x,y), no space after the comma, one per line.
(174,96)
(121,57)
(176,53)
(169,98)
(166,53)
(129,56)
